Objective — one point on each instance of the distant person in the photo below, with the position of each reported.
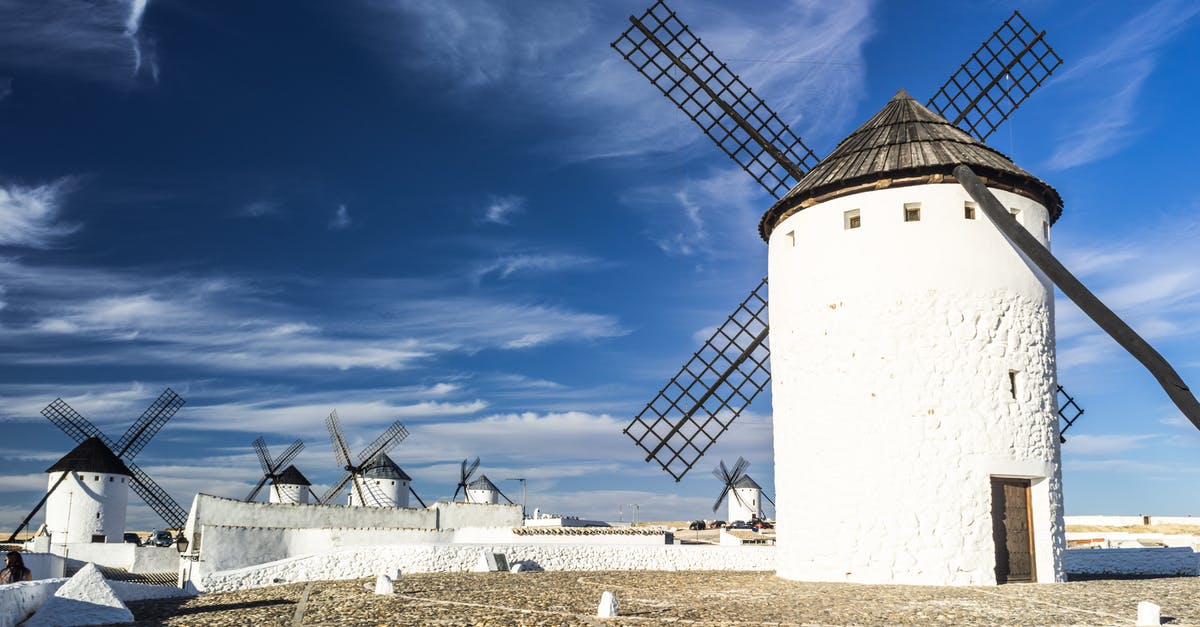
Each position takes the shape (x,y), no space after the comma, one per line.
(14,569)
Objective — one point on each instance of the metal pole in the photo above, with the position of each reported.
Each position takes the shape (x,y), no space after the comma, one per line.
(522,480)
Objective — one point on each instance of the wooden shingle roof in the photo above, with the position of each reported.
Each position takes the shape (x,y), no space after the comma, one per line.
(905,144)
(91,456)
(382,467)
(291,476)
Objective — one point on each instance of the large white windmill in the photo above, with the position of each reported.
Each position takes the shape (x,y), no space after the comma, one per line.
(911,337)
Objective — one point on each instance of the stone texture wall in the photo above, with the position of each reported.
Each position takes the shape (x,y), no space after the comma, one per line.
(355,563)
(891,351)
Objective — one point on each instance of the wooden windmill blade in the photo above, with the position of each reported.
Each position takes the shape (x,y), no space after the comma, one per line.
(709,392)
(286,457)
(1087,302)
(264,456)
(340,451)
(148,424)
(332,492)
(1068,411)
(388,440)
(63,416)
(156,498)
(1008,67)
(464,476)
(664,50)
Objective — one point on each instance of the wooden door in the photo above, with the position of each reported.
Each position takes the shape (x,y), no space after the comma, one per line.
(1012,530)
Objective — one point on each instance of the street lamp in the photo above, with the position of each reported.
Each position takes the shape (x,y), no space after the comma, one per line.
(522,480)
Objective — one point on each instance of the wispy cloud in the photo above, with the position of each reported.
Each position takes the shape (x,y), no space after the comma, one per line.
(1088,444)
(804,58)
(259,209)
(501,209)
(98,41)
(5,87)
(535,264)
(341,219)
(29,215)
(1110,80)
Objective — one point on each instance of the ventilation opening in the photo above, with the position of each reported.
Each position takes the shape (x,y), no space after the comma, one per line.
(1016,213)
(97,537)
(1012,383)
(852,219)
(969,210)
(1045,229)
(791,238)
(912,212)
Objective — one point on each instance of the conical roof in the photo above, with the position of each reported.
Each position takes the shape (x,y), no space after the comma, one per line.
(91,456)
(905,144)
(746,482)
(482,483)
(291,476)
(382,467)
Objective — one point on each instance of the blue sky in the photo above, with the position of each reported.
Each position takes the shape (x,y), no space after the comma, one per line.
(475,217)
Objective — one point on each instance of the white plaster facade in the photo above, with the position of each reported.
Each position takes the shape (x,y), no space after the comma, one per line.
(87,507)
(892,347)
(744,504)
(379,492)
(289,493)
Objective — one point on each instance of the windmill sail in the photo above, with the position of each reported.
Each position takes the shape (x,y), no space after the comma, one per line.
(997,78)
(147,425)
(675,61)
(709,392)
(1041,257)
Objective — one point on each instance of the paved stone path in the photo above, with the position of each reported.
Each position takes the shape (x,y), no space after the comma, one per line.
(678,598)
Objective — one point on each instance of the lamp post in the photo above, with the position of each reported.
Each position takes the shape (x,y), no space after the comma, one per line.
(522,480)
(636,507)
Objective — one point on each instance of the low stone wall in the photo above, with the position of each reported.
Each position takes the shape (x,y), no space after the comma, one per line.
(355,563)
(1162,561)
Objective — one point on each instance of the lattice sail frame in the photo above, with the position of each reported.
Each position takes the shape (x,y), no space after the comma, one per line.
(976,98)
(675,61)
(709,392)
(62,415)
(1068,411)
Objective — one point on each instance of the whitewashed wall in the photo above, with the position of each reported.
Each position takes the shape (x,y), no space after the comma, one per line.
(745,509)
(18,601)
(355,563)
(85,504)
(891,347)
(288,493)
(1105,521)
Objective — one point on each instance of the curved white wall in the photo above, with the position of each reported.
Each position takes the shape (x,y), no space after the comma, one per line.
(483,496)
(891,348)
(288,493)
(87,504)
(747,508)
(380,492)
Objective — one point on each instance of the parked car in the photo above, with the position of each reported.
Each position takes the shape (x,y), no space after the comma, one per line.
(160,538)
(717,524)
(697,525)
(761,524)
(131,538)
(739,524)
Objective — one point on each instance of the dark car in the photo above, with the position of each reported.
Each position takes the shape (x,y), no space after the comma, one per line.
(762,524)
(697,525)
(160,538)
(739,524)
(717,524)
(131,538)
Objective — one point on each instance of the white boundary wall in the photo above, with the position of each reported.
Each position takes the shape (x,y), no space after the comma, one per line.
(19,601)
(1124,521)
(892,346)
(356,563)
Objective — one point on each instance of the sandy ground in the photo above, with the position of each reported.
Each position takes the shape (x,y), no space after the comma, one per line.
(1171,529)
(677,598)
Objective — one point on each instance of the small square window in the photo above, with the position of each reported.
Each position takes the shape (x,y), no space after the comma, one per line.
(852,219)
(1012,383)
(1016,213)
(791,238)
(912,212)
(1045,229)
(969,210)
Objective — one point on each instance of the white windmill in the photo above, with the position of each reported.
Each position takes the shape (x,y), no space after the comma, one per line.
(480,490)
(744,494)
(377,480)
(290,486)
(911,336)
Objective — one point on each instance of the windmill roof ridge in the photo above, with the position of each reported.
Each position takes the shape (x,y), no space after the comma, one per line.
(482,483)
(291,476)
(746,482)
(382,467)
(91,455)
(905,143)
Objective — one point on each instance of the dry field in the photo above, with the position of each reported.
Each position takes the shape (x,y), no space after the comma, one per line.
(1170,529)
(676,598)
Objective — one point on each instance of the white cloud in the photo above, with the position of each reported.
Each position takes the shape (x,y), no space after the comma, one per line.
(500,209)
(29,215)
(341,219)
(1110,80)
(259,208)
(1088,444)
(534,264)
(98,40)
(713,217)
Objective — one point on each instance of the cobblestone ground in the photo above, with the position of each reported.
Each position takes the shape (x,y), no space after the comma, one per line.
(684,598)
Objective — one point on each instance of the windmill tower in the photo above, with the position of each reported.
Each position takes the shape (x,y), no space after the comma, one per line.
(482,490)
(290,486)
(376,480)
(381,484)
(271,472)
(88,493)
(911,341)
(744,494)
(124,450)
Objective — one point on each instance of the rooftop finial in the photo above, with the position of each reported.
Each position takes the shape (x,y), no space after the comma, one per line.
(902,95)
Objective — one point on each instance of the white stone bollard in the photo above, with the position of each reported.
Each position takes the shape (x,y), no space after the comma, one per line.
(383,585)
(1148,614)
(397,575)
(608,605)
